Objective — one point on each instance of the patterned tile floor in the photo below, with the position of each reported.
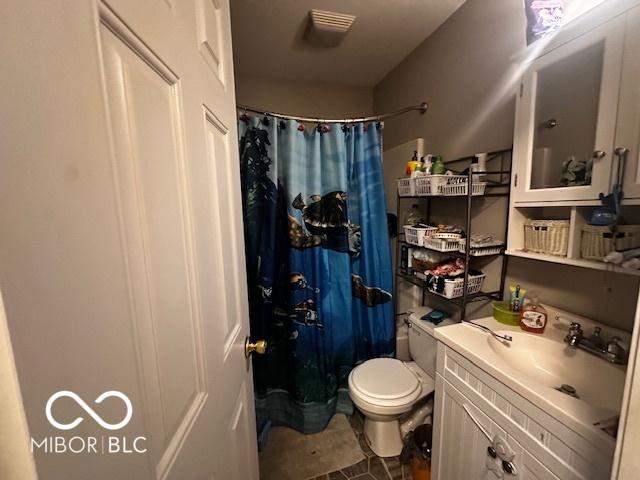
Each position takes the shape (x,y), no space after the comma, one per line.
(373,467)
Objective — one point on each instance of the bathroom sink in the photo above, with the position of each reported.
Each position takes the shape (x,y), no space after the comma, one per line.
(553,364)
(537,367)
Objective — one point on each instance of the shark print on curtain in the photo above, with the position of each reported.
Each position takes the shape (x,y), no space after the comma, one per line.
(318,263)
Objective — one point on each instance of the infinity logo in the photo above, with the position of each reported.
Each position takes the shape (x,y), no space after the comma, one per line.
(89,410)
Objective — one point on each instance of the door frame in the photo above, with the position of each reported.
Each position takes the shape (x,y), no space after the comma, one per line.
(626,462)
(16,459)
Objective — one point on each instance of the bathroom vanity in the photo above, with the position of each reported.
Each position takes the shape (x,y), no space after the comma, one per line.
(532,408)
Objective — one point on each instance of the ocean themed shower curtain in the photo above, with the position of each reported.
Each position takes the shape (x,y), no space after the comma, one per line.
(318,263)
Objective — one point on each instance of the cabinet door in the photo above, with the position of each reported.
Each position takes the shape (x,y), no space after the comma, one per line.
(628,128)
(565,119)
(459,444)
(527,466)
(462,437)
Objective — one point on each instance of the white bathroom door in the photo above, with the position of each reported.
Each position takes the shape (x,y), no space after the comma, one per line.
(121,252)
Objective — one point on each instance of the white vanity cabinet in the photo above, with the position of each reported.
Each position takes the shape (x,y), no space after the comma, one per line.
(464,446)
(566,108)
(474,411)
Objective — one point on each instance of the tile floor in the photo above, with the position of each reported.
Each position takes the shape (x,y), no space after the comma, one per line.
(373,467)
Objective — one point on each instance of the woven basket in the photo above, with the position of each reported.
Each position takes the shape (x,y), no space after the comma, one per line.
(597,241)
(550,237)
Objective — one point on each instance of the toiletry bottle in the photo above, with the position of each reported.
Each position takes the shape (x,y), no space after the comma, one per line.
(420,171)
(437,168)
(413,164)
(533,316)
(516,298)
(427,163)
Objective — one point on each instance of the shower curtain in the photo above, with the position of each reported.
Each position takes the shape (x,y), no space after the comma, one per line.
(318,263)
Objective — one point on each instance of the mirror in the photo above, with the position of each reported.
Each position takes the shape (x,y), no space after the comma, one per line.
(566,115)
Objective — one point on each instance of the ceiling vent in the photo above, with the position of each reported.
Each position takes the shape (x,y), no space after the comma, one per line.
(328,29)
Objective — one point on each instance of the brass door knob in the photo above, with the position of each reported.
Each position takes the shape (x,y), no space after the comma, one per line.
(259,346)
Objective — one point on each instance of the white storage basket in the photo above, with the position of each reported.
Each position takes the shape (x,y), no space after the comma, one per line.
(598,241)
(417,235)
(428,185)
(442,244)
(455,288)
(459,189)
(547,236)
(406,187)
(480,251)
(423,186)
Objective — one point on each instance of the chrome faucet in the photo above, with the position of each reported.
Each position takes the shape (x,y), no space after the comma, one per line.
(575,335)
(610,351)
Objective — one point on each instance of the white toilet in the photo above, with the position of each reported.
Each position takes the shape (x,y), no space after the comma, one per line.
(385,389)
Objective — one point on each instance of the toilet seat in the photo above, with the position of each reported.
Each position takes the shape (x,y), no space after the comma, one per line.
(385,382)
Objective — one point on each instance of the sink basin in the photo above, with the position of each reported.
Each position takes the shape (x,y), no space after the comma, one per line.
(534,367)
(552,363)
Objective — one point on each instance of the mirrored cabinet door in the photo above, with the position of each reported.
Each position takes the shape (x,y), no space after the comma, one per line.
(628,128)
(565,118)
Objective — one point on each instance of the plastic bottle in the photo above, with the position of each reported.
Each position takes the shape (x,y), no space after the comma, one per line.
(428,163)
(413,164)
(438,168)
(533,316)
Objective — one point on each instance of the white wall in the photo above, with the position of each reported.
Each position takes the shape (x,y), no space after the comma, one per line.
(303,98)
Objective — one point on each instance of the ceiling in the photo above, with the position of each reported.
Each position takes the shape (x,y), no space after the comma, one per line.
(268,38)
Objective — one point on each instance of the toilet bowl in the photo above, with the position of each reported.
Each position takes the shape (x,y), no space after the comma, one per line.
(386,389)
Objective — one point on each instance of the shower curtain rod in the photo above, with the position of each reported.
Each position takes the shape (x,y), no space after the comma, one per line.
(422,108)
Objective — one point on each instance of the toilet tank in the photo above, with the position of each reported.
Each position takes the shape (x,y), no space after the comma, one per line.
(422,342)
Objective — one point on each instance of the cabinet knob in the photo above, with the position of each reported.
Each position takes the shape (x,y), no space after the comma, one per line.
(509,468)
(492,452)
(598,154)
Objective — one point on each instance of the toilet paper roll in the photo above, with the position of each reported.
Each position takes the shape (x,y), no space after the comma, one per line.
(482,161)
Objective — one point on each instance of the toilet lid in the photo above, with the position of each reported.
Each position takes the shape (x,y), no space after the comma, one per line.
(385,379)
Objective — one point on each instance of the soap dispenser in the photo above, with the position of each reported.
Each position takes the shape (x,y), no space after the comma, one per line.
(533,316)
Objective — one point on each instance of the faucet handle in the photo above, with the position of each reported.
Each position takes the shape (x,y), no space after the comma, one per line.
(575,327)
(575,334)
(616,352)
(614,341)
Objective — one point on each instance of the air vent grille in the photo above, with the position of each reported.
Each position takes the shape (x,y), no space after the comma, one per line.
(324,20)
